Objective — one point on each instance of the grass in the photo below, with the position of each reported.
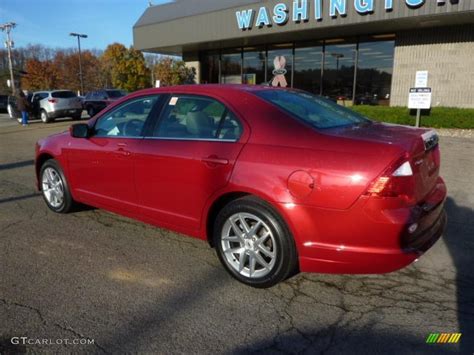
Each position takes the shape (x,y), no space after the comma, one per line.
(440,117)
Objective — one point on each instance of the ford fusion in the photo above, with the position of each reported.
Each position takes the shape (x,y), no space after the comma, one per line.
(276,180)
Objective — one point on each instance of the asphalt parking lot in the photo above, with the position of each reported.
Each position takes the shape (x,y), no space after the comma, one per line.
(132,287)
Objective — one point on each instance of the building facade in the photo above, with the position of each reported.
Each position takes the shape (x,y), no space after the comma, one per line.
(354,51)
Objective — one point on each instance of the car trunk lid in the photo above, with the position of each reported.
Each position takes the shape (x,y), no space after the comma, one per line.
(420,147)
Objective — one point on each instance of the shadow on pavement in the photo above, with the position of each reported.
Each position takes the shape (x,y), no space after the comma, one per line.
(459,238)
(20,164)
(7,348)
(19,198)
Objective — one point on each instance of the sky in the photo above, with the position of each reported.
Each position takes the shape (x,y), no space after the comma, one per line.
(49,22)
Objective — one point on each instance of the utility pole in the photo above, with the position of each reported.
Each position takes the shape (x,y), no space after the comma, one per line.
(7,27)
(79,36)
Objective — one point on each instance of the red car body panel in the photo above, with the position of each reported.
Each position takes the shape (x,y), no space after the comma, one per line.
(316,180)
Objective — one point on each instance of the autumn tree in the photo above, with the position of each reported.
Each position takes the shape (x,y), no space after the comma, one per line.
(173,72)
(126,67)
(41,75)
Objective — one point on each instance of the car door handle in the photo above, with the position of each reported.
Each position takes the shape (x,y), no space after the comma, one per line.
(214,160)
(121,149)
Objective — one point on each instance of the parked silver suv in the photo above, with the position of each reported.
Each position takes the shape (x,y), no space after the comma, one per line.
(49,105)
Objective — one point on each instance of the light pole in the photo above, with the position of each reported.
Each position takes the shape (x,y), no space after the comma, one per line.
(79,36)
(7,27)
(338,56)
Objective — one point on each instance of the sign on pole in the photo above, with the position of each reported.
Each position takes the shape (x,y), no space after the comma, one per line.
(421,80)
(419,98)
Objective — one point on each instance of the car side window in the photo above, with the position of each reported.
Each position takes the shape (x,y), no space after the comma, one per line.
(127,120)
(196,117)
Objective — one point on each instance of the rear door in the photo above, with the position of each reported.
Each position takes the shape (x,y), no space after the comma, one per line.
(187,157)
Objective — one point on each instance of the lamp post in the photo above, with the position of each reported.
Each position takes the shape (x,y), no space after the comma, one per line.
(79,36)
(7,27)
(338,56)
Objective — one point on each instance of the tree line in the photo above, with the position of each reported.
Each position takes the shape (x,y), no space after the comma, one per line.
(38,67)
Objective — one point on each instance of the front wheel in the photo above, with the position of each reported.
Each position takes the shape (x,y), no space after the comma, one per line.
(90,111)
(55,188)
(253,243)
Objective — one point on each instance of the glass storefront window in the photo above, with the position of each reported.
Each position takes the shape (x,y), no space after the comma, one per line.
(374,73)
(231,67)
(254,66)
(307,71)
(210,68)
(279,65)
(338,78)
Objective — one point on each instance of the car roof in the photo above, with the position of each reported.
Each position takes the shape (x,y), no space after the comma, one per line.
(213,89)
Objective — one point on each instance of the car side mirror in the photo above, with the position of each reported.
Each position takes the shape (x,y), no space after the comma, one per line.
(80,130)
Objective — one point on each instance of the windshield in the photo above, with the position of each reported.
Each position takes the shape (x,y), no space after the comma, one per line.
(115,94)
(63,94)
(314,110)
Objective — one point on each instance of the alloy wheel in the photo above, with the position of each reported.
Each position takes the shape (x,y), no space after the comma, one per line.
(249,245)
(53,187)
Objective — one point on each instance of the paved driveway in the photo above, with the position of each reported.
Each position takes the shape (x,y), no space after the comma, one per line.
(131,287)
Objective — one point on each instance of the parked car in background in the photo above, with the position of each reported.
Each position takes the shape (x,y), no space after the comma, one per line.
(96,101)
(277,180)
(12,110)
(3,103)
(49,105)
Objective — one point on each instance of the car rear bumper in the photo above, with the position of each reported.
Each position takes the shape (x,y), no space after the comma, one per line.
(65,112)
(372,237)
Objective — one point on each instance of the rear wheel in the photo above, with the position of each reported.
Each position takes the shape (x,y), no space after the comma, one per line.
(44,117)
(55,188)
(253,243)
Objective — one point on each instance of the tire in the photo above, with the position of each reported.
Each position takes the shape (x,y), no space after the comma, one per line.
(52,175)
(91,111)
(275,255)
(44,117)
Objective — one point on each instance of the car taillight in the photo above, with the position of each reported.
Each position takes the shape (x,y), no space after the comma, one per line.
(397,181)
(53,101)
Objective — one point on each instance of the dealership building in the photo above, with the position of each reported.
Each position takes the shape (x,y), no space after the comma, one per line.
(354,51)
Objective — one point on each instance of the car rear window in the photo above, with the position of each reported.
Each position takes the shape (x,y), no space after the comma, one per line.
(115,93)
(63,94)
(315,110)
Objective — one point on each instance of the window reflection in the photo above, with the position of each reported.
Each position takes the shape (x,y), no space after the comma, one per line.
(231,66)
(307,71)
(254,66)
(324,67)
(374,73)
(339,63)
(210,68)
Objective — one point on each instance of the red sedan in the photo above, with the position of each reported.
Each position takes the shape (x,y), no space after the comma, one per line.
(276,180)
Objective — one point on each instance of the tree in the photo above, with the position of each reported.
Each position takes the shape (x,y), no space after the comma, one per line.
(40,75)
(173,72)
(126,67)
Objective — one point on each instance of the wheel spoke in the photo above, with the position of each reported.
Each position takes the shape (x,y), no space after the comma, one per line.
(265,251)
(242,259)
(237,230)
(263,238)
(244,224)
(261,261)
(253,231)
(252,263)
(233,238)
(234,250)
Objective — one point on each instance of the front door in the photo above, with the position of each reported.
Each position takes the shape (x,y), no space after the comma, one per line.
(189,156)
(102,170)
